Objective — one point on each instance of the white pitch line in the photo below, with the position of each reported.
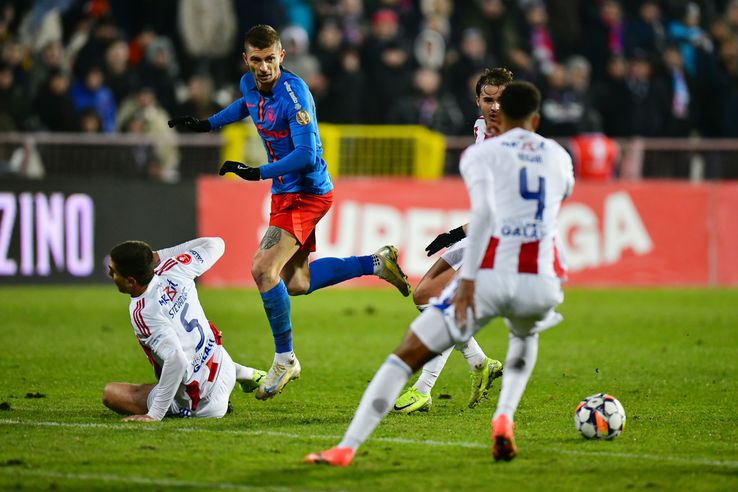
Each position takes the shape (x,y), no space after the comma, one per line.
(397,440)
(161,482)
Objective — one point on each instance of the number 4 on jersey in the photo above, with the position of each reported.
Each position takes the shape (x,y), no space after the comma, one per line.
(538,195)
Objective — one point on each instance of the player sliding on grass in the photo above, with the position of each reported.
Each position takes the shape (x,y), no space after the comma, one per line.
(195,373)
(283,111)
(516,183)
(484,370)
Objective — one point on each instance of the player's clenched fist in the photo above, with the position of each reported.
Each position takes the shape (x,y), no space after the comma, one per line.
(190,123)
(242,170)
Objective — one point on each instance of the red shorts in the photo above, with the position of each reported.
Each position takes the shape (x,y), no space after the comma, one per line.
(298,214)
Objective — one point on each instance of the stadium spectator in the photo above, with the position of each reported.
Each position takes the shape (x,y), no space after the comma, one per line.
(648,98)
(195,374)
(90,122)
(386,58)
(647,31)
(283,111)
(300,61)
(687,32)
(344,101)
(54,105)
(122,78)
(13,105)
(566,110)
(51,57)
(536,37)
(680,91)
(611,98)
(495,20)
(92,54)
(90,92)
(200,100)
(429,106)
(159,70)
(208,32)
(604,34)
(143,105)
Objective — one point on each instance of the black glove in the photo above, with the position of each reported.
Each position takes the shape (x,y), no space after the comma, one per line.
(246,172)
(191,123)
(445,240)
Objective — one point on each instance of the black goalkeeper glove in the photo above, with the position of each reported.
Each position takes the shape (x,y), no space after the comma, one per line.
(191,123)
(246,172)
(445,240)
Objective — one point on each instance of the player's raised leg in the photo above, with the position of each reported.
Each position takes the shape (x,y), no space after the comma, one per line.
(386,386)
(277,247)
(522,353)
(302,277)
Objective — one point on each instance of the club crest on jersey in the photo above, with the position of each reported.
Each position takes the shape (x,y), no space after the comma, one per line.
(184,258)
(302,117)
(269,116)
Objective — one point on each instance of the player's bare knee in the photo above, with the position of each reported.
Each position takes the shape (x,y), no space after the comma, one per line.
(413,352)
(108,395)
(264,275)
(298,287)
(421,295)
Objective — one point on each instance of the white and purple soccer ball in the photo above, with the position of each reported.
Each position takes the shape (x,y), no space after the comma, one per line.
(600,416)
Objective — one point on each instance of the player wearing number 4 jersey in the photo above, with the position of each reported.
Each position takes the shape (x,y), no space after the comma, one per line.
(484,370)
(516,183)
(195,373)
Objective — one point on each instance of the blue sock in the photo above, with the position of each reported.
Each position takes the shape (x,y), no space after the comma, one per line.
(277,307)
(329,271)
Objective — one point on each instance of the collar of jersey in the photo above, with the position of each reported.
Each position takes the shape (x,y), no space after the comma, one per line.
(251,81)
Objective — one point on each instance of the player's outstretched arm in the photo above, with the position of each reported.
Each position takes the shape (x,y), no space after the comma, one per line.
(202,253)
(241,170)
(445,240)
(190,123)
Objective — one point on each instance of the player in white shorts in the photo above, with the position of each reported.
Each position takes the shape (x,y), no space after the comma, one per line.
(484,370)
(194,371)
(516,183)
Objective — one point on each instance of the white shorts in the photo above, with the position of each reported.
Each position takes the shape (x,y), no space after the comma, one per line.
(455,254)
(215,404)
(526,302)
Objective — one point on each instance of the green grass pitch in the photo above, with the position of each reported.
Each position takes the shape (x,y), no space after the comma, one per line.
(670,356)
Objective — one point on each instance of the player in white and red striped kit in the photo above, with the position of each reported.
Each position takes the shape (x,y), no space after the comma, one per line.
(194,371)
(484,370)
(516,184)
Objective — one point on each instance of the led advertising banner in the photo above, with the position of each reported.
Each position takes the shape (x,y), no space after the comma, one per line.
(61,231)
(650,233)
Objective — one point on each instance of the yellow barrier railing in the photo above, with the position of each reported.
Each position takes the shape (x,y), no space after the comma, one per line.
(355,150)
(379,150)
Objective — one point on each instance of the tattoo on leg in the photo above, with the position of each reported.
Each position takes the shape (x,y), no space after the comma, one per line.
(271,237)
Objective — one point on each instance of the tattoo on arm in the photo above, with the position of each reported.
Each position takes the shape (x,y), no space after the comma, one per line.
(271,237)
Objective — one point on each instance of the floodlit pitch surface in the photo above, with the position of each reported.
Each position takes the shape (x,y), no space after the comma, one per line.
(670,356)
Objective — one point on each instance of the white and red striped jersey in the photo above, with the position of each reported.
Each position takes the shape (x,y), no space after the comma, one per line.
(516,184)
(480,131)
(169,320)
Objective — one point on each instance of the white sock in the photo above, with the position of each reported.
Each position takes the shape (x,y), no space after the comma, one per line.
(244,373)
(382,391)
(430,373)
(473,354)
(284,357)
(522,353)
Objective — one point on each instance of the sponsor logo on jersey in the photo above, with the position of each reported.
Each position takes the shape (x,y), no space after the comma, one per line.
(181,300)
(302,117)
(532,158)
(292,95)
(527,230)
(273,134)
(197,256)
(201,359)
(184,258)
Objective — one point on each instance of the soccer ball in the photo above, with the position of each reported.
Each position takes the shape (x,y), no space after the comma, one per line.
(600,416)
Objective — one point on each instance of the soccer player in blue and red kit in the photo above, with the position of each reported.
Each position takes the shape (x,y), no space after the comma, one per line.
(283,110)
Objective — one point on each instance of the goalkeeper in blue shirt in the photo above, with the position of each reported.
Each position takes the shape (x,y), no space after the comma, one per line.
(283,110)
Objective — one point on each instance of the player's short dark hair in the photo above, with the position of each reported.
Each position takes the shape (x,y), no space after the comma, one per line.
(261,36)
(134,259)
(494,76)
(520,100)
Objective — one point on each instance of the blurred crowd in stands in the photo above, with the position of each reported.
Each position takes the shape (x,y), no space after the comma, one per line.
(622,67)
